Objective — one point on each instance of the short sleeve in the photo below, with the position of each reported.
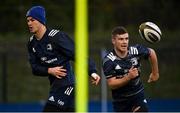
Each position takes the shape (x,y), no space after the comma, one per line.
(108,68)
(143,51)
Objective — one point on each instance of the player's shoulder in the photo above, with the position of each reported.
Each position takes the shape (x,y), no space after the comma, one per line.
(136,46)
(137,49)
(109,60)
(53,32)
(56,34)
(110,56)
(139,45)
(134,49)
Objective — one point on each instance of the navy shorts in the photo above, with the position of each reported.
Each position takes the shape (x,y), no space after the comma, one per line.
(62,97)
(132,103)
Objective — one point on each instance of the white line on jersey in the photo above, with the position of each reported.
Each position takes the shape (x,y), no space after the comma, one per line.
(68,90)
(53,32)
(111,56)
(133,50)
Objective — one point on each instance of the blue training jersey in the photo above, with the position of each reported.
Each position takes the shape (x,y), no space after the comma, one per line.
(55,48)
(114,66)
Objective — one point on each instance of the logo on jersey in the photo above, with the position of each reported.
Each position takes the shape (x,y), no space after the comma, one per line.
(134,61)
(51,60)
(51,99)
(43,58)
(117,67)
(49,47)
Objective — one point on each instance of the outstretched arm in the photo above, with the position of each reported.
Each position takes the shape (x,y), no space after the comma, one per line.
(154,76)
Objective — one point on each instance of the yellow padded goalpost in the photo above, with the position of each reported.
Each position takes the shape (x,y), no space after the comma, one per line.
(81,53)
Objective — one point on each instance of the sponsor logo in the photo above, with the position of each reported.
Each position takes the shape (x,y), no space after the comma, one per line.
(44,59)
(51,60)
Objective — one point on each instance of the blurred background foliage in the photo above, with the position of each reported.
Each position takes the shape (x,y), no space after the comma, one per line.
(22,86)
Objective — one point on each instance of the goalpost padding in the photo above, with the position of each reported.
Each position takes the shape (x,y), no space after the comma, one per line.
(81,53)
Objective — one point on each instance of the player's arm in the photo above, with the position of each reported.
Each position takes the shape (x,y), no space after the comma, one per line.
(115,82)
(66,45)
(150,53)
(39,70)
(95,78)
(154,76)
(36,68)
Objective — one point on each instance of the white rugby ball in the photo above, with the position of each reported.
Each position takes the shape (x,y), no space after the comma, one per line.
(150,32)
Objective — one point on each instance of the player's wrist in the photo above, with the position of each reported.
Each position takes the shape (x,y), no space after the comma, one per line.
(128,77)
(94,75)
(49,70)
(155,73)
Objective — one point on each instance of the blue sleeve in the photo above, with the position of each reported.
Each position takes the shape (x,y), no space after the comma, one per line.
(65,45)
(108,68)
(37,69)
(143,51)
(92,67)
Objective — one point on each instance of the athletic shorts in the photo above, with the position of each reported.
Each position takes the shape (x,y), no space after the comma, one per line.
(133,103)
(62,98)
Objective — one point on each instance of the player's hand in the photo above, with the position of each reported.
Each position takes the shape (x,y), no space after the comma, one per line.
(95,78)
(58,71)
(153,77)
(133,73)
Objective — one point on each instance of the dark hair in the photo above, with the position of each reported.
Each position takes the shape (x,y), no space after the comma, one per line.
(118,30)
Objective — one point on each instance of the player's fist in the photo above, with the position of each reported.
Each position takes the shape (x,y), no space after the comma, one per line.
(153,77)
(133,73)
(95,78)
